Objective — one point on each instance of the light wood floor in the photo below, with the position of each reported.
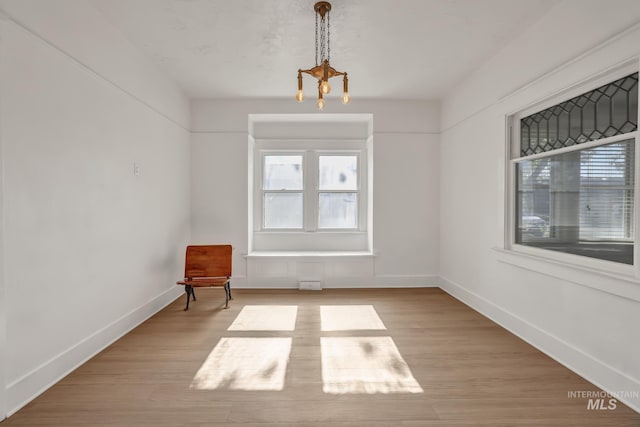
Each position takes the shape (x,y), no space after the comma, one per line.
(472,371)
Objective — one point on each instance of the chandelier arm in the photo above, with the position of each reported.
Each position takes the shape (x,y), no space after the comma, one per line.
(318,72)
(310,71)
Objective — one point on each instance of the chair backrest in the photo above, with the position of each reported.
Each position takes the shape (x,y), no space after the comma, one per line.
(208,261)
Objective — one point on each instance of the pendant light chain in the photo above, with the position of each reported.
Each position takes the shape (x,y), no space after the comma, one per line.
(329,36)
(316,39)
(323,39)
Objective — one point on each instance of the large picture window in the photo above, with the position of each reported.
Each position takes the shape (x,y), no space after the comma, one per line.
(575,177)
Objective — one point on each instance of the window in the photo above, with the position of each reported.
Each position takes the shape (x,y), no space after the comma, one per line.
(338,191)
(329,194)
(574,179)
(282,185)
(311,195)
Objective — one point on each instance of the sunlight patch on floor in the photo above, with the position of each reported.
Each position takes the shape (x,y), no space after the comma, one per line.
(349,318)
(245,364)
(364,365)
(266,318)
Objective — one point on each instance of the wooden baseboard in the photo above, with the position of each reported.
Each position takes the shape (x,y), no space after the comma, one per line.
(387,281)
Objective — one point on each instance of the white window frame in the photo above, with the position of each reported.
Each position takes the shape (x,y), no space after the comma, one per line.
(513,146)
(261,190)
(311,237)
(314,204)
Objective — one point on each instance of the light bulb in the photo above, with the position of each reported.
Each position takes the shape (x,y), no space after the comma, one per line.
(299,96)
(321,103)
(345,98)
(325,87)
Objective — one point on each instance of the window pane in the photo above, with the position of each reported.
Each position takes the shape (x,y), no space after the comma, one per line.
(579,202)
(338,210)
(282,173)
(338,172)
(606,111)
(283,210)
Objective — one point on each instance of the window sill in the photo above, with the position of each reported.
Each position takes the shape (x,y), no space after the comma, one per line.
(288,231)
(622,285)
(309,254)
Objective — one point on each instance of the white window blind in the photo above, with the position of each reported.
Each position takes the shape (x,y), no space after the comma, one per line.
(606,192)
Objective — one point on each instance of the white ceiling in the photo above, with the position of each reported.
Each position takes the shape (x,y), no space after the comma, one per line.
(253,48)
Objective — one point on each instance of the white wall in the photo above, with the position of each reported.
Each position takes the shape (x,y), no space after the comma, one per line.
(3,299)
(78,29)
(405,192)
(90,249)
(557,309)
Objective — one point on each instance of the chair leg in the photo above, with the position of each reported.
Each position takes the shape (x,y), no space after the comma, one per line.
(190,292)
(227,294)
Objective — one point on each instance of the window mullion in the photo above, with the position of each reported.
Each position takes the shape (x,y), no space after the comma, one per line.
(310,186)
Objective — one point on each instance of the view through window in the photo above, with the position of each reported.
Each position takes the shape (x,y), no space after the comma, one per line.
(576,198)
(331,191)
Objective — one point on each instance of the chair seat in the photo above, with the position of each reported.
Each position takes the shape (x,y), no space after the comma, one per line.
(204,281)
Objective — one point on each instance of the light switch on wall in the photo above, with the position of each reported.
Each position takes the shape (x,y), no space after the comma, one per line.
(136,169)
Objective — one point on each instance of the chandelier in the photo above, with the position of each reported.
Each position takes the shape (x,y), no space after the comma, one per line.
(323,70)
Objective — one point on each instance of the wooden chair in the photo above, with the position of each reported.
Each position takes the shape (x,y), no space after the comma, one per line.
(207,266)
